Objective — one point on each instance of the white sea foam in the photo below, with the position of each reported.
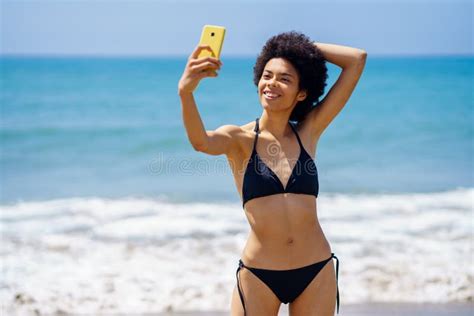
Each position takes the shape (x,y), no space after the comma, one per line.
(130,255)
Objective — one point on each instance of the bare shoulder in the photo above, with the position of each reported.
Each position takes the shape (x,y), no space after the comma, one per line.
(232,130)
(248,127)
(248,132)
(237,132)
(229,139)
(246,135)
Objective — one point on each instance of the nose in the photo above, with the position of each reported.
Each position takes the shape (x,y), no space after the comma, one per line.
(272,82)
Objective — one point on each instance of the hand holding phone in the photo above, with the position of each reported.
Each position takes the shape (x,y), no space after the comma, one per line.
(197,69)
(204,60)
(213,36)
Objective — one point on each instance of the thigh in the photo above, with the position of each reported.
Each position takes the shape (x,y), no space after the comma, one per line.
(258,297)
(319,298)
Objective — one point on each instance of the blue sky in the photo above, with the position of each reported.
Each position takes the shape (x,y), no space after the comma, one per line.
(157,28)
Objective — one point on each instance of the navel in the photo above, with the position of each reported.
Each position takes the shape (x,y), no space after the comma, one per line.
(290,240)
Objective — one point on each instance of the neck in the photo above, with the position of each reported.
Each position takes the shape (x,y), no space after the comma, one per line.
(276,124)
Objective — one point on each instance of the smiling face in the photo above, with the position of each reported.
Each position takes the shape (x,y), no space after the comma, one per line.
(278,88)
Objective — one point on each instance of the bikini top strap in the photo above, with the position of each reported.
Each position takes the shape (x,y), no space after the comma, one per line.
(297,136)
(257,131)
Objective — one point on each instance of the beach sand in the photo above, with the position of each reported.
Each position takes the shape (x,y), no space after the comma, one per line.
(385,309)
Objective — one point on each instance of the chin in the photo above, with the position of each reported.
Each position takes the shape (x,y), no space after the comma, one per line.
(275,106)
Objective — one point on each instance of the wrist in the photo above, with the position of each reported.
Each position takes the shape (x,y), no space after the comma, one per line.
(184,93)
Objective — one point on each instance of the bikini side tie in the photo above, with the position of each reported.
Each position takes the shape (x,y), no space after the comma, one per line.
(241,265)
(337,282)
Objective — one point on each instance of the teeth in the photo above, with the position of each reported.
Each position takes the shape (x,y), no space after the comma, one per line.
(271,95)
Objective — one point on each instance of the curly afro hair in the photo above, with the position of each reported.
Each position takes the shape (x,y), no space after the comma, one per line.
(308,61)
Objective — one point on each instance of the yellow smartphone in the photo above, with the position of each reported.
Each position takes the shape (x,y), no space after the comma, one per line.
(212,35)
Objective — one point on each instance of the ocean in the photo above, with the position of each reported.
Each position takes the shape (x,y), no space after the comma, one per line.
(106,207)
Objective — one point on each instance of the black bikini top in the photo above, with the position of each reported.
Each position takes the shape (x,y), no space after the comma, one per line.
(259,180)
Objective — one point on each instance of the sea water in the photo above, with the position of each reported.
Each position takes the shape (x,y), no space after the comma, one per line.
(106,207)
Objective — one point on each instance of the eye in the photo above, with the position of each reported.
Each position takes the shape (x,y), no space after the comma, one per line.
(266,76)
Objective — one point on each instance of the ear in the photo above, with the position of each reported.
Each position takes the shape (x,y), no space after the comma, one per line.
(301,95)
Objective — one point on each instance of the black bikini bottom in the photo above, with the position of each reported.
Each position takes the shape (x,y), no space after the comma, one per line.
(288,284)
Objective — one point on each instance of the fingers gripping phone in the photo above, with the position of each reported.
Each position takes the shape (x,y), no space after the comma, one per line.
(213,36)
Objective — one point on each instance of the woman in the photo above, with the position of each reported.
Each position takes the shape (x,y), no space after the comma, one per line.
(285,258)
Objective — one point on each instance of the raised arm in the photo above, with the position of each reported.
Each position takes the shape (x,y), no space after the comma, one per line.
(217,142)
(352,62)
(220,141)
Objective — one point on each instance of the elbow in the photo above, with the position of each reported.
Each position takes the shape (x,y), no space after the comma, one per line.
(201,147)
(199,144)
(360,60)
(362,56)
